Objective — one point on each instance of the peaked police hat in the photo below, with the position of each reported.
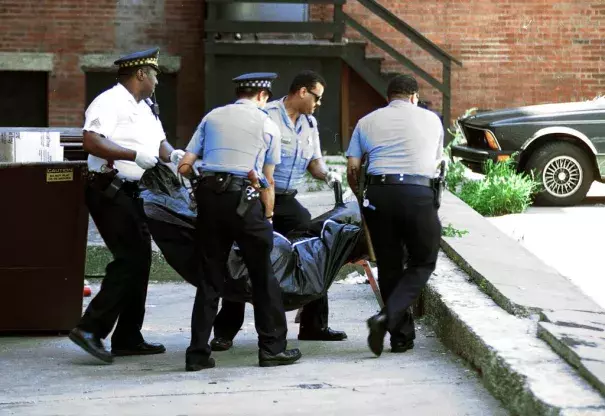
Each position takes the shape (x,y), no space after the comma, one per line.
(147,57)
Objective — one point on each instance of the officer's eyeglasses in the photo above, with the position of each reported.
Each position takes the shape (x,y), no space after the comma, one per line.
(317,97)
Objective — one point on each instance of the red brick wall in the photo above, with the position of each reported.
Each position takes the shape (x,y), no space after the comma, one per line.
(514,52)
(70,28)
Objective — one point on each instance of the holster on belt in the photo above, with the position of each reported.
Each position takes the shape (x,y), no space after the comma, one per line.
(439,184)
(106,183)
(247,198)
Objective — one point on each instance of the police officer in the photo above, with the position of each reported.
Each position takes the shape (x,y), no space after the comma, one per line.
(236,141)
(403,144)
(123,137)
(300,152)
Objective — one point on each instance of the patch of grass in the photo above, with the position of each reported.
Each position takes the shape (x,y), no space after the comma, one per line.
(349,268)
(455,176)
(501,191)
(450,231)
(313,185)
(336,162)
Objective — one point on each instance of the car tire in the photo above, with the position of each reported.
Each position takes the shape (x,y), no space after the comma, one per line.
(564,172)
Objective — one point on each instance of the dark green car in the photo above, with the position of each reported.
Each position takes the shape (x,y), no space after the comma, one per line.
(563,144)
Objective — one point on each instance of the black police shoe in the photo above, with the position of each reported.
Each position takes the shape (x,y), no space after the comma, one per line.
(287,357)
(401,346)
(90,343)
(144,348)
(377,325)
(324,334)
(221,344)
(199,364)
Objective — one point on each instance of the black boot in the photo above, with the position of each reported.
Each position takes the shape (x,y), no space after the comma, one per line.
(377,325)
(90,343)
(287,357)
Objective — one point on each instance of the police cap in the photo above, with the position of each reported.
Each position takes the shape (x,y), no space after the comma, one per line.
(147,57)
(255,80)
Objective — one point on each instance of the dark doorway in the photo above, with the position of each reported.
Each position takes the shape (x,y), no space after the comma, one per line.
(328,115)
(97,82)
(23,99)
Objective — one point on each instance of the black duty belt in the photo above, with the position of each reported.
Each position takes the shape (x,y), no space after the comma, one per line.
(286,193)
(223,182)
(400,179)
(109,184)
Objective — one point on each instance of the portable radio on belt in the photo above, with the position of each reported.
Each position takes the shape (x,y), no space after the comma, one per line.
(155,107)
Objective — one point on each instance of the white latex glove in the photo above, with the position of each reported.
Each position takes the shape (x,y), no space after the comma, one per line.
(176,156)
(331,178)
(145,160)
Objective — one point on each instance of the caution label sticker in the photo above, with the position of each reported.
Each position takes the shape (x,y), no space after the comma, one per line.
(59,175)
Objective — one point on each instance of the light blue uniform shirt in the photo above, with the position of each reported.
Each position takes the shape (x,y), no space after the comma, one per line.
(399,138)
(236,138)
(299,146)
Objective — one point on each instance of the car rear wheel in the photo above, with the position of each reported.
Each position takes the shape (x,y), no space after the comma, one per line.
(564,171)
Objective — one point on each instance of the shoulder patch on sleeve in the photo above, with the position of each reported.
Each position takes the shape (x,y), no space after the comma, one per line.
(95,123)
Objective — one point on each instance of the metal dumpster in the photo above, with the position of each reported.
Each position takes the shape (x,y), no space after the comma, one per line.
(43,237)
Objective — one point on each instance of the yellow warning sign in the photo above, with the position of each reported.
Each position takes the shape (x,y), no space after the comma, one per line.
(59,175)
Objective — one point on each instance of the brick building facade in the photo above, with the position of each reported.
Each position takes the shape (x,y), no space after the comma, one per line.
(69,38)
(514,52)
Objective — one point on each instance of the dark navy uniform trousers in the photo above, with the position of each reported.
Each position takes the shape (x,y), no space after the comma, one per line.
(121,222)
(218,226)
(404,217)
(288,215)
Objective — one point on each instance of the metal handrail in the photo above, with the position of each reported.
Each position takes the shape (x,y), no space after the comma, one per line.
(407,30)
(337,28)
(396,55)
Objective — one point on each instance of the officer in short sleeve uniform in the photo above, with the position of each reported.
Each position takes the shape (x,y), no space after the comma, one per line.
(300,153)
(233,142)
(123,137)
(403,144)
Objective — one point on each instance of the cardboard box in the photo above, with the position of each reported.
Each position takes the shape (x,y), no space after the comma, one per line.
(30,146)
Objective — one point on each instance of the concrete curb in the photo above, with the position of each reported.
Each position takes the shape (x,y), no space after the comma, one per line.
(518,368)
(564,350)
(583,346)
(524,286)
(485,285)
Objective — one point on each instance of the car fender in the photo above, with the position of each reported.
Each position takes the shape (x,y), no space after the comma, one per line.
(559,130)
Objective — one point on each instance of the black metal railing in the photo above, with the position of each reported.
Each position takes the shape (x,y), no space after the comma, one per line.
(443,85)
(336,27)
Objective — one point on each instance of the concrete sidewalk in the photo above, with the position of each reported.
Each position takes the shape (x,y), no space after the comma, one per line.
(491,315)
(51,376)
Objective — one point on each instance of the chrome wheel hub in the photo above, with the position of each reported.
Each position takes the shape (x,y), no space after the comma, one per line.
(562,176)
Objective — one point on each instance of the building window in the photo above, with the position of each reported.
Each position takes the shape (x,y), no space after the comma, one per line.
(97,82)
(23,99)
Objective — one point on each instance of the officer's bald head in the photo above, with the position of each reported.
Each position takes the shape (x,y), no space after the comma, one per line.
(402,86)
